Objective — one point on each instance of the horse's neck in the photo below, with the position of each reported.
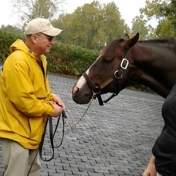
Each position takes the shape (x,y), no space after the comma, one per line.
(156,66)
(152,56)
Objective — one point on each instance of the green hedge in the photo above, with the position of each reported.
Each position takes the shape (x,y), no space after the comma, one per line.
(6,39)
(69,59)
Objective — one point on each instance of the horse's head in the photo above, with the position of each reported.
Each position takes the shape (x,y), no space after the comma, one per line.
(109,73)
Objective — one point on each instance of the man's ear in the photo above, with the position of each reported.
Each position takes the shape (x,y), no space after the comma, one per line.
(34,38)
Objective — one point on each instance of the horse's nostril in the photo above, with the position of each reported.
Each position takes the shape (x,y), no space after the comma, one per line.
(75,90)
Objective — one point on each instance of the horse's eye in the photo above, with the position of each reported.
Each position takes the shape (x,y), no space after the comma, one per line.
(106,59)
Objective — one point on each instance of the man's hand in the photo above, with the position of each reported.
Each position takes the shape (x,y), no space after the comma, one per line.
(59,106)
(57,110)
(58,101)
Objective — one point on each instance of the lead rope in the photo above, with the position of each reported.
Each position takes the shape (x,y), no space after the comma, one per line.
(39,150)
(51,134)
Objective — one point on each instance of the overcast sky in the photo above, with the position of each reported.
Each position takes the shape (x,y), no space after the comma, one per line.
(128,9)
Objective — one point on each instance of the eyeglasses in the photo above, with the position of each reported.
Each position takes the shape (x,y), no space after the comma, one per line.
(50,38)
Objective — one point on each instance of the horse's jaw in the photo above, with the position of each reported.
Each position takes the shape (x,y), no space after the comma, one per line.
(85,94)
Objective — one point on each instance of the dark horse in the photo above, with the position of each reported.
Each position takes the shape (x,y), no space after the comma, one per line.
(126,62)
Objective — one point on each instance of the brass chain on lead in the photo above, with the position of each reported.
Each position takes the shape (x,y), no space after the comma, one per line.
(74,124)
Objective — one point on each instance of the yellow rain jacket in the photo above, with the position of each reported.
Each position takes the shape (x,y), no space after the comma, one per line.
(25,97)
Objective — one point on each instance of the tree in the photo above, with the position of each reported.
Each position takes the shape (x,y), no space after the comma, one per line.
(170,13)
(164,12)
(29,9)
(114,25)
(92,25)
(165,29)
(139,24)
(11,29)
(154,9)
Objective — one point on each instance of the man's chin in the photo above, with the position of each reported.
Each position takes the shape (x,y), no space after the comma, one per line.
(47,50)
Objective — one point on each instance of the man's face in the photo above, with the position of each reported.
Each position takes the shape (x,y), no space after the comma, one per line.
(43,43)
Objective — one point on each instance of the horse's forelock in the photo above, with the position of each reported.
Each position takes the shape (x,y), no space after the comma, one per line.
(110,49)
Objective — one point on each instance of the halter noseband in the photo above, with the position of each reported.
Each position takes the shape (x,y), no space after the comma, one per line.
(118,74)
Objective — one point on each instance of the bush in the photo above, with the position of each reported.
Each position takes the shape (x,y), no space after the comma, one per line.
(69,59)
(6,39)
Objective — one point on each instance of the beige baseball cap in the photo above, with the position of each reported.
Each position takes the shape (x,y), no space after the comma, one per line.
(41,25)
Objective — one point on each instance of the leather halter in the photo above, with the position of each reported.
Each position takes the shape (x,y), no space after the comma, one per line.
(118,74)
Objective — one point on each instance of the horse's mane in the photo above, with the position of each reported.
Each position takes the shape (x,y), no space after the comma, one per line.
(158,41)
(110,48)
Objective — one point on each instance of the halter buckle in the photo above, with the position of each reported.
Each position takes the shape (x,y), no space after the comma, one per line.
(116,75)
(96,91)
(126,62)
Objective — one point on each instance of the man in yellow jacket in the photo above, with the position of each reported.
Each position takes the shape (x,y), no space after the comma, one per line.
(26,99)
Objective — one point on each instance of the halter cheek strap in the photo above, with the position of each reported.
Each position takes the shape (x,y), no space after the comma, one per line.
(95,89)
(118,74)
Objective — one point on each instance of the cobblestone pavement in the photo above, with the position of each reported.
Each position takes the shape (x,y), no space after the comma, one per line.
(110,140)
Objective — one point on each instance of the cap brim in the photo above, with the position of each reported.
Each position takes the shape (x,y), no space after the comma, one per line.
(53,32)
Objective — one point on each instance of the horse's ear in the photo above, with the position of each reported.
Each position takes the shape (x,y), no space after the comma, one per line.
(131,42)
(126,37)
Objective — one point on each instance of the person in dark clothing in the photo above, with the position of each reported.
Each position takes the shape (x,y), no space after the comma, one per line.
(164,149)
